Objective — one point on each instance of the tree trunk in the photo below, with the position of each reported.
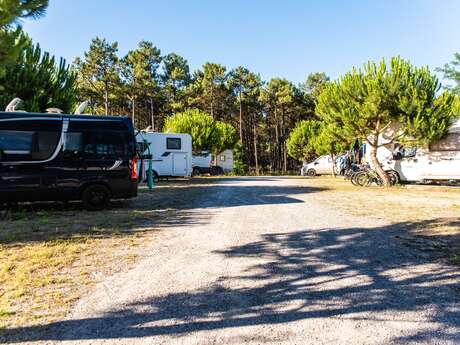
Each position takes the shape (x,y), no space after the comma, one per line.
(241,122)
(151,114)
(106,101)
(256,158)
(133,112)
(212,103)
(333,164)
(375,164)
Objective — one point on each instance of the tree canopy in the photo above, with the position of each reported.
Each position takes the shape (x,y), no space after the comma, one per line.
(451,72)
(12,39)
(207,135)
(301,143)
(397,99)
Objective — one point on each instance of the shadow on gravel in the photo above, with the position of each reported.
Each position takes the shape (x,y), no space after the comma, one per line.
(355,273)
(180,204)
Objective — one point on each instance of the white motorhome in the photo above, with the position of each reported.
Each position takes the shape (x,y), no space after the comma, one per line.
(171,153)
(438,161)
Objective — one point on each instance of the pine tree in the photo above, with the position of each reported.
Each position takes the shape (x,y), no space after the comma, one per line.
(367,102)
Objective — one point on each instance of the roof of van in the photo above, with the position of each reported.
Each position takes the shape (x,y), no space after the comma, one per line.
(4,114)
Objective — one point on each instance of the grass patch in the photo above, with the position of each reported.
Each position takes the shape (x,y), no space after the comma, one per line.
(51,254)
(436,208)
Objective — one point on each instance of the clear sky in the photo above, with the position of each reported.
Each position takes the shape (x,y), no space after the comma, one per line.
(284,38)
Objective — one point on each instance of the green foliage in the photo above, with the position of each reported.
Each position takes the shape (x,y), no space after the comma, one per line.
(315,83)
(227,137)
(98,74)
(175,78)
(207,134)
(39,81)
(365,102)
(239,167)
(329,140)
(199,125)
(301,143)
(139,71)
(397,100)
(451,71)
(12,38)
(12,11)
(208,90)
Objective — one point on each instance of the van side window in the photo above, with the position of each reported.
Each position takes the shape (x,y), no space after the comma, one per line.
(104,145)
(173,143)
(28,145)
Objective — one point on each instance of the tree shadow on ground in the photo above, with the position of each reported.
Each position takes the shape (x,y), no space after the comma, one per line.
(348,273)
(168,206)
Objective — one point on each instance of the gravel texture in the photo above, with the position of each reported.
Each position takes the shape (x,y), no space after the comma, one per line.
(260,261)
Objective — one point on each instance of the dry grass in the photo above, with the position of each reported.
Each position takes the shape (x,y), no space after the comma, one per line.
(435,208)
(52,254)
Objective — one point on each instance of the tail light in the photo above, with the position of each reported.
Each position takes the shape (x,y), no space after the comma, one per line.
(134,169)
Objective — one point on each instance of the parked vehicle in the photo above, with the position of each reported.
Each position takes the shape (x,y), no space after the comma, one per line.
(207,164)
(320,166)
(57,157)
(171,153)
(436,162)
(202,164)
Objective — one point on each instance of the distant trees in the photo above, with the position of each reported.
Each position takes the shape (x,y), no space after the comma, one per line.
(139,70)
(397,99)
(152,87)
(27,72)
(301,143)
(40,81)
(12,38)
(98,74)
(451,72)
(207,134)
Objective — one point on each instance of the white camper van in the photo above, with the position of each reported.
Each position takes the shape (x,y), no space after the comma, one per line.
(171,153)
(438,161)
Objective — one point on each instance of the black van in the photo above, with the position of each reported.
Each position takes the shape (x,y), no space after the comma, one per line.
(54,157)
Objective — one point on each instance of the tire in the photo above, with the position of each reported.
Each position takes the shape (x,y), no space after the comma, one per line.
(96,197)
(362,179)
(216,170)
(196,171)
(394,177)
(311,172)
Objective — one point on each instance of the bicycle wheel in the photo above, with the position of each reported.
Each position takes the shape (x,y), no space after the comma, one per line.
(362,179)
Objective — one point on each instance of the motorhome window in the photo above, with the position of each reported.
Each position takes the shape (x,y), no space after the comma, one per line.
(173,143)
(222,158)
(409,152)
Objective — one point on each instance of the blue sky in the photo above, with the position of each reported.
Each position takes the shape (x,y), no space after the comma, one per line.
(289,38)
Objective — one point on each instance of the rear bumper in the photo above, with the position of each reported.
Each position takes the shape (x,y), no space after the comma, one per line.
(126,193)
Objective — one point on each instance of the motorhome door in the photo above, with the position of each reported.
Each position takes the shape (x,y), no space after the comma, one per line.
(179,164)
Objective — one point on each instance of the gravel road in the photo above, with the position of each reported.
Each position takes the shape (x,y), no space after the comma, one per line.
(260,261)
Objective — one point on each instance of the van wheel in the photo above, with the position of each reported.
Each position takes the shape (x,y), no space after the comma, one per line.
(216,170)
(311,172)
(96,197)
(196,171)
